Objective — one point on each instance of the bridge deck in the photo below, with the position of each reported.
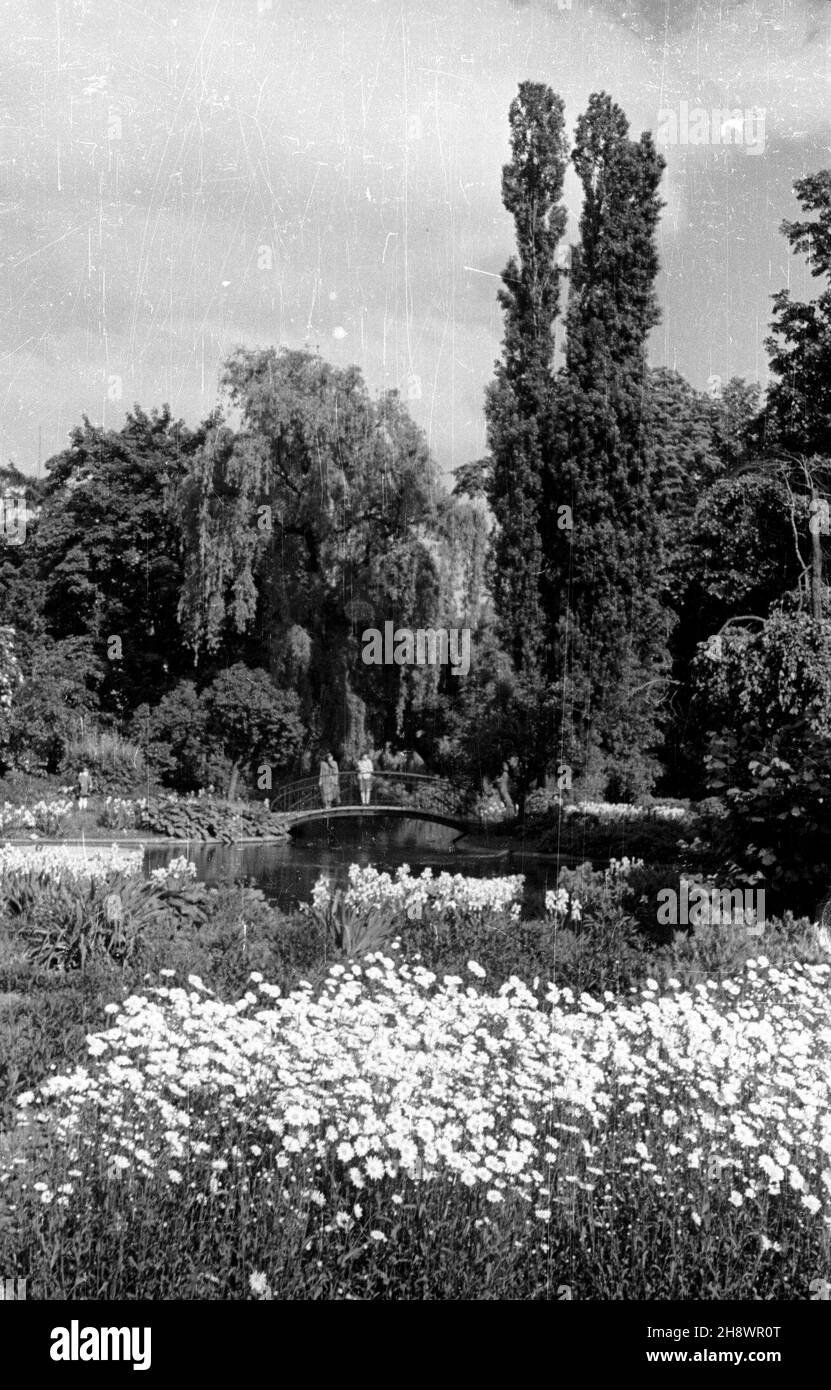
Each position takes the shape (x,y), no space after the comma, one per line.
(311,814)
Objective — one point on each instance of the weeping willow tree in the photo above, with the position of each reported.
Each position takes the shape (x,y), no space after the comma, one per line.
(317,516)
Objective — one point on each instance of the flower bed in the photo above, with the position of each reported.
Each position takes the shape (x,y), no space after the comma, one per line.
(443,1117)
(697,1123)
(59,862)
(70,910)
(122,813)
(622,810)
(180,869)
(45,817)
(599,829)
(443,894)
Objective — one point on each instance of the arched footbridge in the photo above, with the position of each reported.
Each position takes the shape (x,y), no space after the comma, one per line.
(408,795)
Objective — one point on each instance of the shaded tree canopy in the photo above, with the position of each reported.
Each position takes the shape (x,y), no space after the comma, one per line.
(798,407)
(107,553)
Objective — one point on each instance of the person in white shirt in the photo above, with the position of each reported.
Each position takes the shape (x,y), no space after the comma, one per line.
(84,787)
(365,773)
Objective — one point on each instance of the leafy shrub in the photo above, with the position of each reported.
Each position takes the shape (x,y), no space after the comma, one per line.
(242,932)
(46,817)
(116,763)
(489,807)
(120,813)
(593,834)
(219,734)
(174,736)
(765,698)
(206,818)
(65,925)
(352,928)
(541,803)
(714,952)
(777,821)
(645,882)
(767,680)
(68,926)
(589,895)
(58,695)
(46,1020)
(605,951)
(251,721)
(50,816)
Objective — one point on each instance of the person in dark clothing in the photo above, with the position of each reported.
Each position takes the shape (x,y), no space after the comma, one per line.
(329,780)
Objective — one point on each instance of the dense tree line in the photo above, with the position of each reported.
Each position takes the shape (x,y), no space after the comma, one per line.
(641,563)
(205,591)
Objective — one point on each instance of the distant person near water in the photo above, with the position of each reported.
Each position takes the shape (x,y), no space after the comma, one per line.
(366,770)
(84,787)
(329,780)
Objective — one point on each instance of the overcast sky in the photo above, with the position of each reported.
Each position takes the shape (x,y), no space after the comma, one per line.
(180,177)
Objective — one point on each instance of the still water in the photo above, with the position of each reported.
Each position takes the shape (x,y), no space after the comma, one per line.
(287,872)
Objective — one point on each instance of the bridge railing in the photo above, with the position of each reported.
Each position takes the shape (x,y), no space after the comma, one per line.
(419,790)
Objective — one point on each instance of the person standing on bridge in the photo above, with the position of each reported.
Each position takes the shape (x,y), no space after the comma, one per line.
(329,780)
(366,771)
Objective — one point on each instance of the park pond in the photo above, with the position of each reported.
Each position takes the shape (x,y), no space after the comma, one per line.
(287,872)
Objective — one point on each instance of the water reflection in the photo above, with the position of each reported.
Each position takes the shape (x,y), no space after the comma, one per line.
(286,873)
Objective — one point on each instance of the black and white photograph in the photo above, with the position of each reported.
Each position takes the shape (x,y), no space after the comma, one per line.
(415,671)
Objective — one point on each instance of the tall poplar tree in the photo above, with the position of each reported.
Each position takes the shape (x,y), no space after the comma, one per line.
(518,402)
(605,592)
